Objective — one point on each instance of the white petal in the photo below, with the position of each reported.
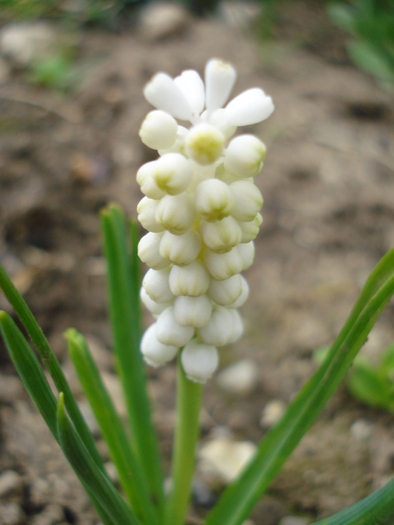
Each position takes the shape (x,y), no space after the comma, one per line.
(176,213)
(192,279)
(213,200)
(246,252)
(181,249)
(243,296)
(250,107)
(219,80)
(248,200)
(199,361)
(224,265)
(219,330)
(154,352)
(154,307)
(173,173)
(149,251)
(237,327)
(192,87)
(164,94)
(146,210)
(225,292)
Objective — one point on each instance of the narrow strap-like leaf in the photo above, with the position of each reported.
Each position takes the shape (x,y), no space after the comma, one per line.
(131,476)
(376,509)
(50,362)
(86,469)
(125,328)
(37,386)
(239,498)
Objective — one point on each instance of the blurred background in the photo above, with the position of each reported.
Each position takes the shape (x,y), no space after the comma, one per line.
(71,103)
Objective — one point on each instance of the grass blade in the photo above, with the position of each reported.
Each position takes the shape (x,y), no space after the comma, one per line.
(131,476)
(125,320)
(239,499)
(376,509)
(37,386)
(50,362)
(87,470)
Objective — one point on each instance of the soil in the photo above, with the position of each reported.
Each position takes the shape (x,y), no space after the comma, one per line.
(328,186)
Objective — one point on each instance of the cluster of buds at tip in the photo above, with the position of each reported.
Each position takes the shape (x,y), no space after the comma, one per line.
(202,211)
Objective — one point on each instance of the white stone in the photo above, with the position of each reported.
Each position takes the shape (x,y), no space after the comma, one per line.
(225,459)
(160,20)
(272,413)
(361,430)
(240,378)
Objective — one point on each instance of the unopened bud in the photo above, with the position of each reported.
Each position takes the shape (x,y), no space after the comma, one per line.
(199,361)
(224,265)
(192,311)
(173,173)
(248,200)
(181,249)
(169,332)
(218,331)
(190,280)
(204,144)
(158,131)
(221,236)
(225,292)
(146,181)
(155,283)
(250,229)
(146,210)
(214,200)
(149,251)
(176,213)
(153,351)
(244,156)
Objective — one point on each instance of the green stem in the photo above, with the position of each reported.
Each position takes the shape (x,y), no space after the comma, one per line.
(186,436)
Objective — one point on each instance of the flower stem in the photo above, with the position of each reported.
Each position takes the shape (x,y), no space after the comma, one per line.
(186,436)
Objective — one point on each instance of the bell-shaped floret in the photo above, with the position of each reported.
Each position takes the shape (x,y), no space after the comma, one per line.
(153,351)
(173,173)
(219,81)
(163,93)
(192,88)
(243,295)
(169,332)
(248,200)
(176,213)
(192,311)
(237,327)
(192,280)
(221,236)
(181,249)
(213,200)
(159,129)
(250,229)
(146,181)
(244,156)
(155,284)
(224,265)
(146,210)
(149,251)
(250,107)
(225,292)
(204,144)
(246,252)
(154,307)
(219,329)
(199,361)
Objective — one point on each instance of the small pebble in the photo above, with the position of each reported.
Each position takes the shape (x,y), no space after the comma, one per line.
(272,413)
(51,515)
(294,520)
(10,483)
(224,459)
(112,472)
(240,378)
(361,430)
(11,514)
(161,20)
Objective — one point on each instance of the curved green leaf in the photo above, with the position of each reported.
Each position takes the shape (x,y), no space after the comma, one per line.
(239,499)
(87,470)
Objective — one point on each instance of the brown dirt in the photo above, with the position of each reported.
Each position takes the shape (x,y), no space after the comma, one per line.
(328,187)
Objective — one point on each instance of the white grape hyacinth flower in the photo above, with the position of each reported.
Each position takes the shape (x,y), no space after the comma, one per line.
(202,212)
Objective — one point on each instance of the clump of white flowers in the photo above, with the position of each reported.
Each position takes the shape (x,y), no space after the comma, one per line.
(202,211)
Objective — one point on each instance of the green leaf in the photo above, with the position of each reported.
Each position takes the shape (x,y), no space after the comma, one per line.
(131,476)
(50,362)
(368,386)
(368,58)
(87,470)
(386,365)
(342,16)
(37,386)
(239,498)
(376,509)
(125,321)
